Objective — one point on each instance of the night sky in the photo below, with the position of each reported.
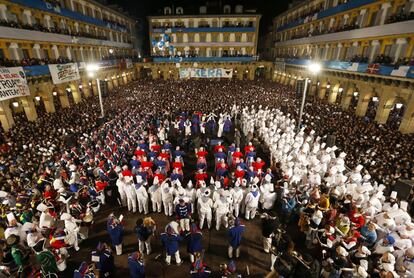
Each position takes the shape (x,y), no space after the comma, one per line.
(141,9)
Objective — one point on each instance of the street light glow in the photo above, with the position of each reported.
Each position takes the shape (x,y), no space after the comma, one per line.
(375,99)
(92,67)
(355,93)
(37,98)
(340,89)
(15,104)
(314,68)
(398,105)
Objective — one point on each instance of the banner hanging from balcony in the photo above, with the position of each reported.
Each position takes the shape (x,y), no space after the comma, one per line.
(62,73)
(205,73)
(13,83)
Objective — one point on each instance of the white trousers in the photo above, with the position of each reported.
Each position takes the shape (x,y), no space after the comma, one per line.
(177,258)
(168,208)
(118,249)
(123,195)
(132,202)
(221,218)
(143,206)
(145,244)
(185,224)
(205,215)
(156,206)
(230,252)
(236,209)
(250,212)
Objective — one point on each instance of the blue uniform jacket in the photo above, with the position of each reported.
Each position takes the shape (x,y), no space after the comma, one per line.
(116,233)
(235,235)
(195,242)
(136,268)
(170,243)
(106,261)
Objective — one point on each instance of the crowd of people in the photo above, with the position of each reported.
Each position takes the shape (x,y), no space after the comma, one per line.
(55,29)
(65,167)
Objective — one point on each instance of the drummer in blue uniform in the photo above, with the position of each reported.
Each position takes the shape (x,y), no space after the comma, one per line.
(171,242)
(103,259)
(136,265)
(194,241)
(116,232)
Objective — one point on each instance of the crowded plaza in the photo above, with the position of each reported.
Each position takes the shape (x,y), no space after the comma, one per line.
(214,151)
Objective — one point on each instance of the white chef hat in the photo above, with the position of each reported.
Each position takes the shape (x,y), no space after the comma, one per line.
(10,216)
(359,168)
(41,207)
(393,195)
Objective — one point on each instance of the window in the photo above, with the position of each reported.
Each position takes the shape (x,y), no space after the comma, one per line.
(387,50)
(1,53)
(25,53)
(202,37)
(45,54)
(214,52)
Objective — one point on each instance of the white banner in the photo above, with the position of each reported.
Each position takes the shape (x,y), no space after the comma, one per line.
(128,63)
(62,73)
(206,73)
(13,83)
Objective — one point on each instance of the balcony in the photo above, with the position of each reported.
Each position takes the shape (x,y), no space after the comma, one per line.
(202,59)
(204,29)
(47,7)
(328,12)
(42,70)
(377,69)
(22,34)
(394,29)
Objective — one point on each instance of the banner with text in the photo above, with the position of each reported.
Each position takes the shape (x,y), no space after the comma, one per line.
(13,83)
(62,73)
(206,73)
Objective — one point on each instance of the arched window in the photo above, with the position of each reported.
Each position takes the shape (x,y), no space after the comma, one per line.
(167,10)
(179,10)
(226,9)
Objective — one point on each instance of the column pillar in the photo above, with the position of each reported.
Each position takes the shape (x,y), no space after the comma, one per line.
(3,12)
(13,51)
(251,73)
(47,20)
(28,15)
(110,85)
(383,110)
(36,51)
(407,122)
(375,44)
(384,12)
(81,54)
(325,54)
(338,54)
(362,105)
(47,98)
(29,108)
(400,42)
(361,19)
(6,115)
(68,53)
(55,51)
(346,99)
(76,95)
(333,95)
(63,97)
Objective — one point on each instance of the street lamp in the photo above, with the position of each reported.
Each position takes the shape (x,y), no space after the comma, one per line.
(314,68)
(92,69)
(398,105)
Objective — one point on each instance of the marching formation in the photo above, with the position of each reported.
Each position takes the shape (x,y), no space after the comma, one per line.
(196,151)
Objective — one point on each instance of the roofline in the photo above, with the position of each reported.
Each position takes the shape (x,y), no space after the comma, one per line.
(206,15)
(111,9)
(293,8)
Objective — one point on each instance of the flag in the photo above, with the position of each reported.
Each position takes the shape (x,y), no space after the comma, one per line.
(373,68)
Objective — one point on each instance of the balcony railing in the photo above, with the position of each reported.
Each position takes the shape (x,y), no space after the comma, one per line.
(203,59)
(50,8)
(328,12)
(204,29)
(42,70)
(373,68)
(22,34)
(394,29)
